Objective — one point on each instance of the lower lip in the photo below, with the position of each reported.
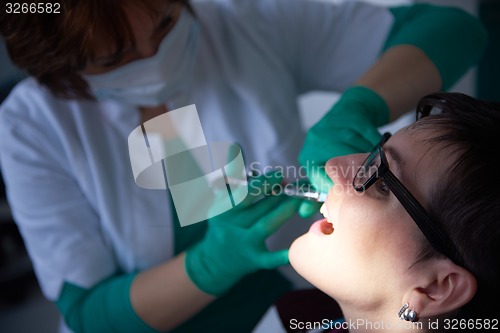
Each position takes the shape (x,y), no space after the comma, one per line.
(321,227)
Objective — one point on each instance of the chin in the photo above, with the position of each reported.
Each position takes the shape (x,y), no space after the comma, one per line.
(301,257)
(298,253)
(307,259)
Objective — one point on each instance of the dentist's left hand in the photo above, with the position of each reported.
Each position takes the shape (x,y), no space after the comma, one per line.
(234,244)
(350,127)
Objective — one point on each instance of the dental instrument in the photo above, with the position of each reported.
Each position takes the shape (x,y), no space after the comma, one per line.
(288,189)
(297,192)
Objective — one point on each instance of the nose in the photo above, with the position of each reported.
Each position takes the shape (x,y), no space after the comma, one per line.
(147,47)
(342,169)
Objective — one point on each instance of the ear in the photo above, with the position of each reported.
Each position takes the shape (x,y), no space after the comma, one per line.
(446,287)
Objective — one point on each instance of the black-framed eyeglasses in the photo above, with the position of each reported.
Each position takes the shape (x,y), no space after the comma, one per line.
(376,167)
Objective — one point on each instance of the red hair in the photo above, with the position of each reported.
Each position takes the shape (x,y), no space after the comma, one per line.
(54,48)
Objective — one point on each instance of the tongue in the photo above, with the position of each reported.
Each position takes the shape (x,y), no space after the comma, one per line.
(326,228)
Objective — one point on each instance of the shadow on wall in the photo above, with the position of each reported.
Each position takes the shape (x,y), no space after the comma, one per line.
(489,68)
(9,74)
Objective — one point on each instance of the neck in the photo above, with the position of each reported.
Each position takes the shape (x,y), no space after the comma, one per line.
(378,321)
(148,113)
(168,129)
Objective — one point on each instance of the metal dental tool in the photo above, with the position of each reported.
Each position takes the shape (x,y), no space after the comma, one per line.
(297,192)
(289,189)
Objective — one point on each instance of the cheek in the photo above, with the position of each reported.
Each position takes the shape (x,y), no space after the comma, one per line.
(360,224)
(371,231)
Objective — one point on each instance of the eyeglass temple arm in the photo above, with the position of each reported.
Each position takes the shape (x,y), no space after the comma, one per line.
(432,231)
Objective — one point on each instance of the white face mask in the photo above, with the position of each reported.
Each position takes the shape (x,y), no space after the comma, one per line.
(155,80)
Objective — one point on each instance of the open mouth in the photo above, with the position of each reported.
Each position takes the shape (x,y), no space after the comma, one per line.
(326,227)
(326,224)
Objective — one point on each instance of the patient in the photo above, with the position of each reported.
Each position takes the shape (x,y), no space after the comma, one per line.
(412,230)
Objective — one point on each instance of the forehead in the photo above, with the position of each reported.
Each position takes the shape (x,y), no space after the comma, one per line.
(113,24)
(421,163)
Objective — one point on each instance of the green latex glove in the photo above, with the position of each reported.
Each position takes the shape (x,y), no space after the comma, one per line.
(349,127)
(234,244)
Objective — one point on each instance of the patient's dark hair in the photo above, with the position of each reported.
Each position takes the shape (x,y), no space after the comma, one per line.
(466,200)
(53,48)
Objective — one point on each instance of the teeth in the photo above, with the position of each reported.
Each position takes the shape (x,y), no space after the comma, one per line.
(324,211)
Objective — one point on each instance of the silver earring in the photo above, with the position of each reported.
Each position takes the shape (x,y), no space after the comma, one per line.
(407,314)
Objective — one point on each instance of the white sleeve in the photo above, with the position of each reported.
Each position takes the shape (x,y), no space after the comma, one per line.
(60,228)
(328,45)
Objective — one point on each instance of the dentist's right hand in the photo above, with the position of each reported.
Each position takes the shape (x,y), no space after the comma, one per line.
(234,244)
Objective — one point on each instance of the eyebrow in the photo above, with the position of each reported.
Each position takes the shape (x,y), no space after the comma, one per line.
(114,57)
(395,156)
(120,53)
